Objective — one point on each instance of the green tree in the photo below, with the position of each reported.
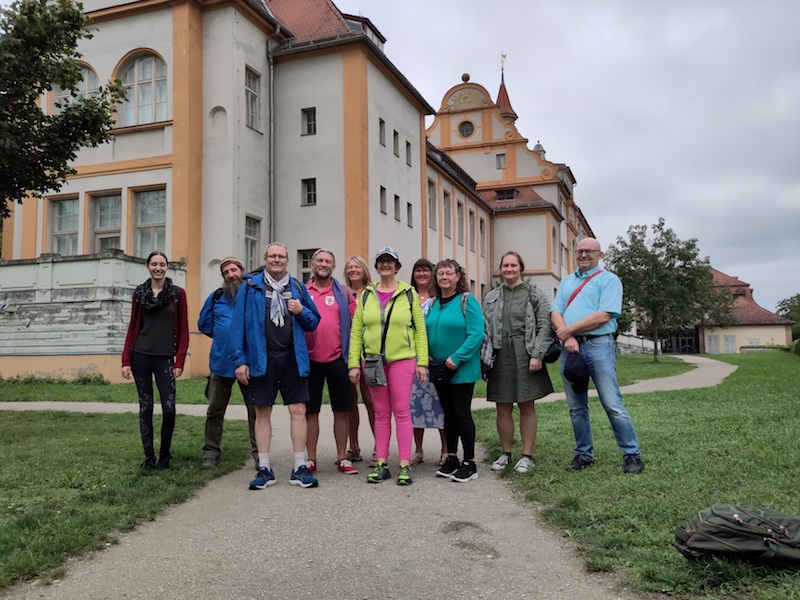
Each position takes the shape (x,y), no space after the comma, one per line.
(667,286)
(790,308)
(38,51)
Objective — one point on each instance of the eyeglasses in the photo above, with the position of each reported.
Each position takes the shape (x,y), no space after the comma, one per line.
(276,257)
(385,261)
(579,252)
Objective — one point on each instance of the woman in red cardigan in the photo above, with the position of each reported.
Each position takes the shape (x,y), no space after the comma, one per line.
(156,346)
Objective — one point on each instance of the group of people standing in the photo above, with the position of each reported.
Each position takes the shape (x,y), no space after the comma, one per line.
(413,351)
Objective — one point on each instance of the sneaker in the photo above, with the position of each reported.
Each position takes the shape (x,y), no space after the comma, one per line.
(404,478)
(579,464)
(149,465)
(379,473)
(346,467)
(633,464)
(302,477)
(209,462)
(466,472)
(311,465)
(523,464)
(264,478)
(450,466)
(501,462)
(163,462)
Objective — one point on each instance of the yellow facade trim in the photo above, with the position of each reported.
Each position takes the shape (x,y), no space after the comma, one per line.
(124,166)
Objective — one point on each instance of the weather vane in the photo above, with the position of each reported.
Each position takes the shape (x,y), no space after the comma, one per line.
(502,64)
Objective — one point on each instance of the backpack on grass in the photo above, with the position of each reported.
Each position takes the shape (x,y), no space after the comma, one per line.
(760,535)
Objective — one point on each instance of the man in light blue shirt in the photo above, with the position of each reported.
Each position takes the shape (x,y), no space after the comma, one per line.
(584,318)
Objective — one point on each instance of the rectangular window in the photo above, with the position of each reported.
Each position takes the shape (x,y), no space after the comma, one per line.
(713,344)
(383,200)
(107,219)
(482,234)
(730,344)
(483,292)
(396,207)
(309,193)
(409,214)
(472,230)
(448,215)
(460,222)
(65,227)
(433,208)
(304,263)
(408,153)
(472,286)
(396,144)
(252,243)
(500,159)
(151,221)
(252,91)
(753,341)
(382,132)
(503,195)
(309,118)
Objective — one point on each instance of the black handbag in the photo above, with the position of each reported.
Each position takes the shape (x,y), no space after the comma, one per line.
(553,352)
(439,371)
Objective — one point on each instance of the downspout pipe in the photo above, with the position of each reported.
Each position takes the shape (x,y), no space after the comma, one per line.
(271,137)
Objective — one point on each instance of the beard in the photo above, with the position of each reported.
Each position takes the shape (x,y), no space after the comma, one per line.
(229,288)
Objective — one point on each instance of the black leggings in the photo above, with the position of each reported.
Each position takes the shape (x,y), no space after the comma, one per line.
(144,368)
(456,400)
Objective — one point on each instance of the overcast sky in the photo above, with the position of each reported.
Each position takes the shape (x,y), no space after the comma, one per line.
(687,109)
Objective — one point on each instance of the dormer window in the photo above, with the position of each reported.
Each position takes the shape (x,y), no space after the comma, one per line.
(506,194)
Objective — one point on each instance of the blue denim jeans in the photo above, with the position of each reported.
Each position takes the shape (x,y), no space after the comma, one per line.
(599,356)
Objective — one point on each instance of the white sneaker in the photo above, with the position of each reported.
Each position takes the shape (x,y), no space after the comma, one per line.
(501,463)
(523,464)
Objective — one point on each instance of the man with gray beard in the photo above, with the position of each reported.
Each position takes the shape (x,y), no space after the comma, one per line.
(215,322)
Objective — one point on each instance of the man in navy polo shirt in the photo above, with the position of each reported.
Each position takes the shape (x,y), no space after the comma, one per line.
(584,317)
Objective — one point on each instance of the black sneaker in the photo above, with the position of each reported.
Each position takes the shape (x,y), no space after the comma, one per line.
(163,462)
(466,472)
(209,462)
(149,464)
(579,464)
(450,466)
(633,464)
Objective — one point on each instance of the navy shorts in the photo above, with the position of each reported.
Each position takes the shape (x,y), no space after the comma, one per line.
(282,376)
(340,389)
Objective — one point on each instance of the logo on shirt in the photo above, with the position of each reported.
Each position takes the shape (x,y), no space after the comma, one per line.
(329,300)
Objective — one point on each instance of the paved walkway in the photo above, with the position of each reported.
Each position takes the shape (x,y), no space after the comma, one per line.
(345,539)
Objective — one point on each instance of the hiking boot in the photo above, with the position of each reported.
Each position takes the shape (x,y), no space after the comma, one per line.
(379,473)
(466,472)
(346,467)
(450,466)
(501,462)
(523,464)
(633,464)
(209,462)
(149,464)
(264,478)
(163,462)
(311,465)
(404,478)
(302,477)
(579,464)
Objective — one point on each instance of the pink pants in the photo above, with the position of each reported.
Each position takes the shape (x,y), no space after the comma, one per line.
(395,398)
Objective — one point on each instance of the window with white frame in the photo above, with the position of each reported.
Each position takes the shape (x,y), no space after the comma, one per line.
(482,238)
(433,207)
(383,200)
(730,344)
(396,207)
(409,214)
(86,88)
(145,80)
(107,221)
(713,344)
(309,118)
(64,227)
(252,92)
(447,215)
(472,230)
(252,243)
(504,195)
(501,161)
(309,193)
(382,132)
(304,263)
(151,221)
(460,222)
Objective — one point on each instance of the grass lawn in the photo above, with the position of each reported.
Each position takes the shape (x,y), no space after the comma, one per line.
(191,391)
(70,481)
(735,443)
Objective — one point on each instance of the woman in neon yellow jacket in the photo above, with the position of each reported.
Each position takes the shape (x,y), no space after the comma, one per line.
(405,355)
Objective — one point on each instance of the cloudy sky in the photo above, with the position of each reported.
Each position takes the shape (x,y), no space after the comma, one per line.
(687,110)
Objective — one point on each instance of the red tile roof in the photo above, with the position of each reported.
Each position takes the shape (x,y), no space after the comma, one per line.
(745,310)
(504,104)
(721,279)
(525,197)
(311,20)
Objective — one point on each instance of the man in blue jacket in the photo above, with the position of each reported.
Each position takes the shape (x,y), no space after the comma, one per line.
(215,322)
(271,314)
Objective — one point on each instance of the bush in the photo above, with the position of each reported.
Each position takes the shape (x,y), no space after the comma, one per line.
(795,347)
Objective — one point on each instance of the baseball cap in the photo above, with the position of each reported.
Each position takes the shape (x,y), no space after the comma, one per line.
(576,372)
(386,250)
(228,260)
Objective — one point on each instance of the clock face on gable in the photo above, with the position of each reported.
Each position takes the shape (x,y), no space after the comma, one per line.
(468,98)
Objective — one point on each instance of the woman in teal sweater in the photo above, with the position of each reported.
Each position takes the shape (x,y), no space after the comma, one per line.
(455,332)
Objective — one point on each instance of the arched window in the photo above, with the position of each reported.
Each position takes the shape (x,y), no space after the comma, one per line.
(145,79)
(87,88)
